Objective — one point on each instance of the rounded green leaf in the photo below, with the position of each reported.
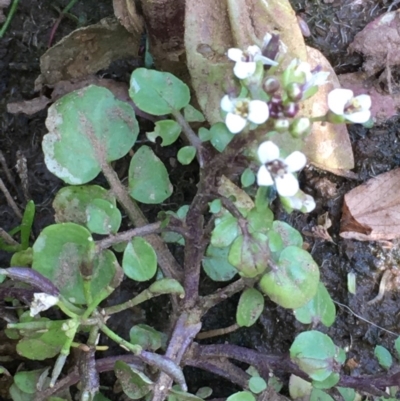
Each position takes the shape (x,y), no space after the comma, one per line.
(384,356)
(71,202)
(140,260)
(289,235)
(204,134)
(220,136)
(257,385)
(87,127)
(260,220)
(295,280)
(42,346)
(319,395)
(204,392)
(186,155)
(216,265)
(27,381)
(299,388)
(320,309)
(348,394)
(329,382)
(103,217)
(167,130)
(247,178)
(314,353)
(134,383)
(215,206)
(158,93)
(167,286)
(193,115)
(241,396)
(249,254)
(225,232)
(250,307)
(145,336)
(148,178)
(62,250)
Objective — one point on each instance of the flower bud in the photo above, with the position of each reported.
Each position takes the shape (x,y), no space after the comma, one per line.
(294,91)
(282,125)
(271,85)
(300,127)
(291,109)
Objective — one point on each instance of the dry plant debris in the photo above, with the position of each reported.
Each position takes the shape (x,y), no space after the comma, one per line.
(371,211)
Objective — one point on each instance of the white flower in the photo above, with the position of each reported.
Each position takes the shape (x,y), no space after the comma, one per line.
(310,77)
(354,109)
(246,62)
(41,302)
(242,110)
(279,171)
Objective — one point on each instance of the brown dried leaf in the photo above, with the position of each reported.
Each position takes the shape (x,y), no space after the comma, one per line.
(28,107)
(125,11)
(379,42)
(3,4)
(86,51)
(371,212)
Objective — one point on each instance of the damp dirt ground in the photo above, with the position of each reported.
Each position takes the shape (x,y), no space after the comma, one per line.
(358,326)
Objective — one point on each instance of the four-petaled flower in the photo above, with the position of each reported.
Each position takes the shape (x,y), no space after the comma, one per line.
(354,109)
(242,110)
(246,61)
(275,170)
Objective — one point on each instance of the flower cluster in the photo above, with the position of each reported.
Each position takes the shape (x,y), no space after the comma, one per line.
(275,101)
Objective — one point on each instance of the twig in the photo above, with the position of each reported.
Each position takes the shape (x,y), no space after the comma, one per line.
(190,135)
(217,332)
(387,275)
(6,237)
(128,235)
(10,200)
(10,16)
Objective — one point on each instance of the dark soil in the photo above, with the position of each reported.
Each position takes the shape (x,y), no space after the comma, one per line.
(333,26)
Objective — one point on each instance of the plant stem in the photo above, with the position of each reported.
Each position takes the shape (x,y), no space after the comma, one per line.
(10,15)
(167,262)
(135,349)
(190,135)
(128,235)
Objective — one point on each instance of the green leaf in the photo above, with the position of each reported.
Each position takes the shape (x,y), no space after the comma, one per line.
(42,346)
(216,265)
(314,353)
(63,251)
(241,396)
(319,395)
(289,235)
(215,206)
(145,336)
(225,231)
(220,136)
(158,93)
(26,224)
(27,381)
(250,307)
(71,202)
(257,385)
(103,217)
(168,130)
(249,254)
(204,134)
(384,357)
(186,155)
(17,395)
(260,220)
(294,282)
(348,394)
(148,178)
(299,388)
(204,392)
(328,383)
(248,178)
(320,309)
(140,260)
(193,115)
(167,286)
(87,127)
(134,383)
(397,346)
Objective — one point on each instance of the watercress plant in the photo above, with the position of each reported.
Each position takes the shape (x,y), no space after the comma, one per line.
(228,230)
